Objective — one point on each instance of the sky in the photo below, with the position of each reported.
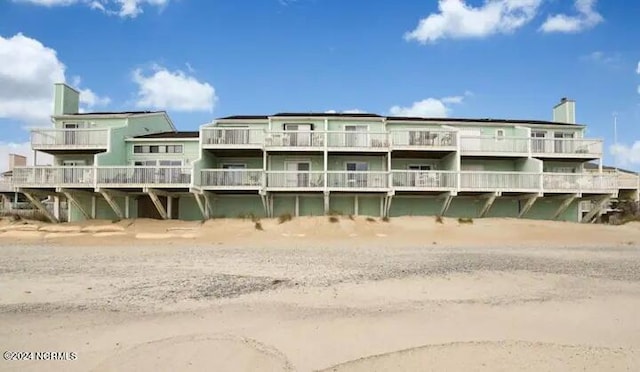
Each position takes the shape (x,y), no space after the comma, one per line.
(199,60)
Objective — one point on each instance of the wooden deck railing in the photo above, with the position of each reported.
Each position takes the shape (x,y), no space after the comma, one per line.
(42,139)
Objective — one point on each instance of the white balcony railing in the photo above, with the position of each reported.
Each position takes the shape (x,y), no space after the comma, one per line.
(573,182)
(359,140)
(419,180)
(494,144)
(143,176)
(233,137)
(500,181)
(47,176)
(295,139)
(423,138)
(357,180)
(567,146)
(628,181)
(231,178)
(43,139)
(295,180)
(5,184)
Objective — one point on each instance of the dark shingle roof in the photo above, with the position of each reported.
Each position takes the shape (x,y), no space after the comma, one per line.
(590,165)
(394,118)
(116,113)
(190,134)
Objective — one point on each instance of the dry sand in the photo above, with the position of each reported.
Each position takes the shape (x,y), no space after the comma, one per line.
(404,295)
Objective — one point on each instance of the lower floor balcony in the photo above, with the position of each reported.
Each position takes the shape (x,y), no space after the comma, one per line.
(105,176)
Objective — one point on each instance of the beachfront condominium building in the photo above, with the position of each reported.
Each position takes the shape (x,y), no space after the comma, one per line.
(136,164)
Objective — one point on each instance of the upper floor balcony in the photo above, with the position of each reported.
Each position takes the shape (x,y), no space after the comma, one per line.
(424,139)
(580,182)
(494,146)
(233,138)
(295,140)
(570,148)
(70,140)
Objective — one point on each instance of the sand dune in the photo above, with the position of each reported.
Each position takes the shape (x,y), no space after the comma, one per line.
(319,231)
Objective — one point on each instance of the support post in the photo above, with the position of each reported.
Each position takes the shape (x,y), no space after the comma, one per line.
(446,204)
(36,202)
(127,212)
(596,209)
(208,204)
(169,207)
(565,204)
(74,201)
(356,207)
(112,203)
(326,202)
(56,207)
(201,206)
(94,207)
(297,208)
(156,201)
(530,202)
(487,205)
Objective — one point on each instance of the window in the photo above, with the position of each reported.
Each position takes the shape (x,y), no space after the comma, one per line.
(157,149)
(500,134)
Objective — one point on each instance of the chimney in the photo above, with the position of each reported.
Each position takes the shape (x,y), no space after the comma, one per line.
(565,111)
(16,160)
(66,100)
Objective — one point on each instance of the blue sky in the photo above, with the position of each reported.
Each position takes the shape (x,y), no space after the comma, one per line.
(205,59)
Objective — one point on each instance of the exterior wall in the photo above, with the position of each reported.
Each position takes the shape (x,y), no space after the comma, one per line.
(451,162)
(251,163)
(401,164)
(373,125)
(66,100)
(554,166)
(188,209)
(60,159)
(91,122)
(497,165)
(232,206)
(278,162)
(529,165)
(376,163)
(191,151)
(279,124)
(116,155)
(148,124)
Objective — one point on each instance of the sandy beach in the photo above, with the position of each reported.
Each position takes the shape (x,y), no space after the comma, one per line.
(309,294)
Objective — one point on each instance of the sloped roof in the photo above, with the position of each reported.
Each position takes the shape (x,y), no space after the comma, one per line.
(182,134)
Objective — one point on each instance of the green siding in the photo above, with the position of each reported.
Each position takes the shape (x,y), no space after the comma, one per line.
(369,205)
(234,206)
(191,151)
(376,163)
(403,164)
(188,209)
(278,124)
(411,206)
(278,162)
(311,205)
(342,204)
(498,165)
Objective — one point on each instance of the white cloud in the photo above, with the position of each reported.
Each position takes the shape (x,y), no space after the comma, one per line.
(605,59)
(122,8)
(458,20)
(638,69)
(27,74)
(430,107)
(626,155)
(586,18)
(23,149)
(351,111)
(173,90)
